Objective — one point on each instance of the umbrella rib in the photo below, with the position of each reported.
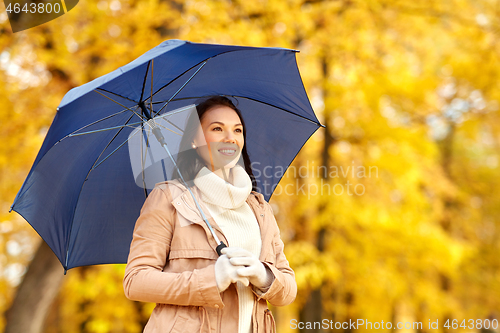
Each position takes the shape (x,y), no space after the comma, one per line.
(106,129)
(138,115)
(251,99)
(132,125)
(110,92)
(182,87)
(204,61)
(168,129)
(277,107)
(171,114)
(144,82)
(151,98)
(143,157)
(69,135)
(180,75)
(93,123)
(110,141)
(171,123)
(81,189)
(124,142)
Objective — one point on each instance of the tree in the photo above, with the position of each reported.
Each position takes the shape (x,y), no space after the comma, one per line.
(36,293)
(408,93)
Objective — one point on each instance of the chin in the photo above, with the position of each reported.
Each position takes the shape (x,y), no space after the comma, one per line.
(231,164)
(227,166)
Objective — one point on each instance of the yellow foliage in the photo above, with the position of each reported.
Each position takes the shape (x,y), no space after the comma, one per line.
(409,94)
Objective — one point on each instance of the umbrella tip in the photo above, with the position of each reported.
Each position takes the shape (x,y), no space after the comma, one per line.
(11,208)
(65,270)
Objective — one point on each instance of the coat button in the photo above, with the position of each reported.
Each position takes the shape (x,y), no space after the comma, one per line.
(178,203)
(261,214)
(217,306)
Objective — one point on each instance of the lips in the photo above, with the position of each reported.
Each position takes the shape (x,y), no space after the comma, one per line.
(228,151)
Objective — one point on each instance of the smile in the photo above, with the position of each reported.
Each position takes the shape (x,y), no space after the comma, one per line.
(228,152)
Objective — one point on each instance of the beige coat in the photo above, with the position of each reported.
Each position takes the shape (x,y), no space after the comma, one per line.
(172,259)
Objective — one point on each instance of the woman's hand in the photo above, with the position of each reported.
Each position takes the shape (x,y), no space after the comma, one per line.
(226,273)
(249,266)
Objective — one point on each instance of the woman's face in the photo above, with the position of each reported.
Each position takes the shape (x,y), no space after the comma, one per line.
(220,140)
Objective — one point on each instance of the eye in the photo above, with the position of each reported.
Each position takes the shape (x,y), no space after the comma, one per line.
(218,127)
(239,130)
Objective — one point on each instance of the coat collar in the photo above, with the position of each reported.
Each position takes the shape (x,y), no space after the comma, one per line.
(255,199)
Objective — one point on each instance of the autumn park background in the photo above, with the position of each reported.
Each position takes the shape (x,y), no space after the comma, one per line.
(408,90)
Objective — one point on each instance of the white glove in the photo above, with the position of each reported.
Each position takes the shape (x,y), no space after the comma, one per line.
(225,273)
(249,266)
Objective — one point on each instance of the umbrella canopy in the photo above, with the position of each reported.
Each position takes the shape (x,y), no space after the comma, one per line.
(81,195)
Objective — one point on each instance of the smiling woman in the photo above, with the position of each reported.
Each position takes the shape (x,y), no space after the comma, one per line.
(173,259)
(220,140)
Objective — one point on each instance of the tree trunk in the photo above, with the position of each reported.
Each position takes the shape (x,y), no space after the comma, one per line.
(36,293)
(313,309)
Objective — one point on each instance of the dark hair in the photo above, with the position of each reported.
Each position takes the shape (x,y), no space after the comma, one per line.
(188,160)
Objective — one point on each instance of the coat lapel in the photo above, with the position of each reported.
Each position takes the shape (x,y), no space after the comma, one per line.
(256,201)
(185,205)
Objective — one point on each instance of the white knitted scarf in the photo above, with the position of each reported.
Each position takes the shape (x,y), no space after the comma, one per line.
(226,203)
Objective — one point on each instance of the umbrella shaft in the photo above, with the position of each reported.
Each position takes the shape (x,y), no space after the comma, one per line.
(145,110)
(189,189)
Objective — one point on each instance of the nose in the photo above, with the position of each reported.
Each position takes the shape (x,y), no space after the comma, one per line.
(229,137)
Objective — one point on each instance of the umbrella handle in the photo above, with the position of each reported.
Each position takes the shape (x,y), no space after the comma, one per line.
(220,247)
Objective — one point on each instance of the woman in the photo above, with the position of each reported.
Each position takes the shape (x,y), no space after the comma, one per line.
(173,261)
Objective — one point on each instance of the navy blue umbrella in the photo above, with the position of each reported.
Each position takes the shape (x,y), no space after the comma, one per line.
(81,195)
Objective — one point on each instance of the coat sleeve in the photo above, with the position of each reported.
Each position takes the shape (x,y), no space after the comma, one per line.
(283,289)
(144,278)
